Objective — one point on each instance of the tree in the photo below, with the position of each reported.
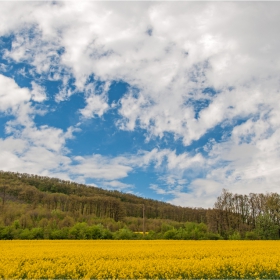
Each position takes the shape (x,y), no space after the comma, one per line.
(124,233)
(266,228)
(3,189)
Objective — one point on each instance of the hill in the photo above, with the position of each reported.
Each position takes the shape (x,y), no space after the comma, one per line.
(33,206)
(54,194)
(33,199)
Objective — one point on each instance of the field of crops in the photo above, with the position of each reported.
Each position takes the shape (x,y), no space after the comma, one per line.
(139,259)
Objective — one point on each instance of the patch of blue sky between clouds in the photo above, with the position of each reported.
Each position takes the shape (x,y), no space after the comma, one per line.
(56,112)
(198,104)
(117,90)
(6,43)
(3,120)
(99,135)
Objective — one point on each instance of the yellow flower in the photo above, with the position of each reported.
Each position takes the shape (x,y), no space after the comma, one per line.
(139,259)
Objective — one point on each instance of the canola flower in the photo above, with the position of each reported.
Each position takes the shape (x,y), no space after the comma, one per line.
(146,259)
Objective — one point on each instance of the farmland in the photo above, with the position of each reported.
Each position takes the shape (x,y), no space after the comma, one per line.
(160,259)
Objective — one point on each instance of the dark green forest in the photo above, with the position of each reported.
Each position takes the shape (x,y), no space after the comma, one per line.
(36,207)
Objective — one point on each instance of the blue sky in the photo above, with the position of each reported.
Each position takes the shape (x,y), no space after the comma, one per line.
(167,100)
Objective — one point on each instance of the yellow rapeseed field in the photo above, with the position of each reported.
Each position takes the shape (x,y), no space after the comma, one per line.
(139,259)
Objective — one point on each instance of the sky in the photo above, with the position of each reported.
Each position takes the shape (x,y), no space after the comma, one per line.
(172,101)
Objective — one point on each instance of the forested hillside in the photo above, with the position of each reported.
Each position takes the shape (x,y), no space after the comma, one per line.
(56,194)
(41,207)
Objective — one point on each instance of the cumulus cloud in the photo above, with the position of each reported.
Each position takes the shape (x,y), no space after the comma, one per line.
(12,97)
(19,155)
(117,185)
(38,92)
(96,100)
(202,193)
(28,148)
(100,167)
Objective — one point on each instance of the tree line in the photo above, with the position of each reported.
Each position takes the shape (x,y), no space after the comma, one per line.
(255,216)
(81,199)
(34,206)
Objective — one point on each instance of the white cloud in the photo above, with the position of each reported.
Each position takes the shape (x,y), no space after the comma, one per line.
(19,156)
(12,96)
(100,167)
(38,92)
(202,193)
(96,103)
(157,189)
(28,148)
(184,161)
(117,185)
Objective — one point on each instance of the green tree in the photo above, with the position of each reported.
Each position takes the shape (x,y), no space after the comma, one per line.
(170,234)
(235,236)
(79,231)
(123,233)
(266,228)
(251,235)
(59,233)
(26,234)
(7,233)
(37,233)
